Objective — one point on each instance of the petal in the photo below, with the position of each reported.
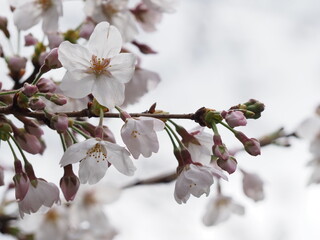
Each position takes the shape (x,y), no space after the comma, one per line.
(119,158)
(50,22)
(105,41)
(74,56)
(108,91)
(27,15)
(92,170)
(181,190)
(122,66)
(83,82)
(77,152)
(126,23)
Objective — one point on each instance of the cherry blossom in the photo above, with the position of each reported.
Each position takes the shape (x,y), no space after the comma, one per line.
(162,5)
(30,12)
(252,186)
(139,135)
(220,209)
(40,194)
(116,12)
(94,156)
(195,179)
(98,68)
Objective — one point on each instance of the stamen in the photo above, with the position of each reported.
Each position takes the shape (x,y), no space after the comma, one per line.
(97,152)
(45,4)
(99,66)
(135,133)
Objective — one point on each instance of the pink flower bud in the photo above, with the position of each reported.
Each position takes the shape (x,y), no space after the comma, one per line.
(56,98)
(60,123)
(21,181)
(69,183)
(52,60)
(229,165)
(29,90)
(251,145)
(37,104)
(86,29)
(219,149)
(33,128)
(16,63)
(30,40)
(46,85)
(235,118)
(54,40)
(28,142)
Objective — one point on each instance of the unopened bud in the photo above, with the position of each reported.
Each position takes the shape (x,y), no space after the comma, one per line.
(60,122)
(251,145)
(20,180)
(234,118)
(69,183)
(256,107)
(16,63)
(52,60)
(29,90)
(229,165)
(46,85)
(54,40)
(30,40)
(56,98)
(37,104)
(86,29)
(5,129)
(28,142)
(4,26)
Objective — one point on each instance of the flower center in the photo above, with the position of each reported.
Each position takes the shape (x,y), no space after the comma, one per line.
(135,134)
(97,152)
(99,66)
(108,9)
(45,4)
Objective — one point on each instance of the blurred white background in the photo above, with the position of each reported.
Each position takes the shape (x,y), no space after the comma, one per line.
(217,54)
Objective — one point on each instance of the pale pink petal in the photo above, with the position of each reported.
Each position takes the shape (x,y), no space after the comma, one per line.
(108,91)
(27,15)
(74,56)
(82,81)
(105,41)
(92,170)
(127,25)
(119,158)
(122,66)
(50,22)
(77,152)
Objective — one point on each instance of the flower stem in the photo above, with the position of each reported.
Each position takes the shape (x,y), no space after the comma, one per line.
(64,146)
(20,150)
(80,132)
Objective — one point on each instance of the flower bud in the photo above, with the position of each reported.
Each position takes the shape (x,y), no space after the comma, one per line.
(52,60)
(229,165)
(37,104)
(256,107)
(21,181)
(56,98)
(29,90)
(219,149)
(234,118)
(60,122)
(46,85)
(16,63)
(86,29)
(251,145)
(30,40)
(54,40)
(5,129)
(27,142)
(33,128)
(69,183)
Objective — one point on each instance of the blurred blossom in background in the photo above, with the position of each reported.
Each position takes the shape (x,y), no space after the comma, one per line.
(216,54)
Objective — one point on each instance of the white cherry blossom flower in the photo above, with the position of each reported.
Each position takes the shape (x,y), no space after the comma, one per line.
(116,12)
(139,135)
(220,209)
(40,195)
(252,186)
(195,179)
(202,150)
(30,12)
(99,68)
(94,156)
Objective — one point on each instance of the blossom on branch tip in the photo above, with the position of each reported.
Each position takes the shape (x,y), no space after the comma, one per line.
(40,194)
(95,156)
(99,68)
(195,179)
(220,209)
(28,13)
(139,135)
